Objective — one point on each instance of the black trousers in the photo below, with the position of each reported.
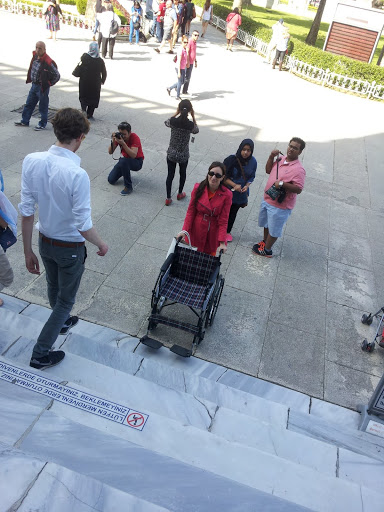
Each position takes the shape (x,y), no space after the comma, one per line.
(104,46)
(87,109)
(232,216)
(171,175)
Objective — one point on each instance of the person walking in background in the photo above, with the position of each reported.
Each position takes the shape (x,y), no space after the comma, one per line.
(131,158)
(206,16)
(178,150)
(52,18)
(93,74)
(136,16)
(240,173)
(281,48)
(233,23)
(178,6)
(190,15)
(182,62)
(43,74)
(160,22)
(109,28)
(8,221)
(170,27)
(191,49)
(207,215)
(285,182)
(54,182)
(277,28)
(99,8)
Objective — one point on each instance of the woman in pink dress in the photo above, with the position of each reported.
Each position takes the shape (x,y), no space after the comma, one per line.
(182,63)
(233,23)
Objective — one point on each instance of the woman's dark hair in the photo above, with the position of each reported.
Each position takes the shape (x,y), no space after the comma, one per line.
(207,4)
(185,107)
(204,183)
(125,126)
(69,124)
(236,10)
(136,3)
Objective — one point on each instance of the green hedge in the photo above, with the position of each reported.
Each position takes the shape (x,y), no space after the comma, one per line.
(309,54)
(81,6)
(123,19)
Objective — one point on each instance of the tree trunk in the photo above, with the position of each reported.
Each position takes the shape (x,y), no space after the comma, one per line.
(313,33)
(238,4)
(380,57)
(90,10)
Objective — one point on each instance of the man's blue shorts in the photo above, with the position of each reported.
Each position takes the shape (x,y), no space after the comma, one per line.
(273,218)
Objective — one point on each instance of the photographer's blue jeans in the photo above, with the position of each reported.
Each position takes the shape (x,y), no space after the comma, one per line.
(131,33)
(64,267)
(123,168)
(36,96)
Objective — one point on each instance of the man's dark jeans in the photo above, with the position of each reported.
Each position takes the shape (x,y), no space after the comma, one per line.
(36,96)
(64,267)
(123,168)
(188,74)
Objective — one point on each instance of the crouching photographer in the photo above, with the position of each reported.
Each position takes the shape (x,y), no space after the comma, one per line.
(131,156)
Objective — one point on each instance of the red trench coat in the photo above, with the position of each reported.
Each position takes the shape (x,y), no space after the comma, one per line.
(207,221)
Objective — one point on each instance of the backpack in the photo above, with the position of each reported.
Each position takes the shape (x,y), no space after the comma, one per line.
(114,28)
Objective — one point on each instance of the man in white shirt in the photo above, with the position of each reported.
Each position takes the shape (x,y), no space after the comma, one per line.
(55,182)
(107,32)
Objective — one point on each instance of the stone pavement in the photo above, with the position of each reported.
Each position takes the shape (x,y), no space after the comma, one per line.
(292,320)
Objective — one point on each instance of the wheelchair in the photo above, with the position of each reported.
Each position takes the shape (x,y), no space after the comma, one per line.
(190,278)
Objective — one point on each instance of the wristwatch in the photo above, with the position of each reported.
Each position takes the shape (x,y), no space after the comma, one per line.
(281,183)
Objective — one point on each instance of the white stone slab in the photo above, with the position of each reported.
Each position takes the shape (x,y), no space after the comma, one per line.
(52,436)
(335,414)
(13,303)
(343,437)
(6,340)
(284,443)
(361,470)
(59,489)
(17,472)
(145,474)
(19,325)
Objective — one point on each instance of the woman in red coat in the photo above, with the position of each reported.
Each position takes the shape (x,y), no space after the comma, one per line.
(208,212)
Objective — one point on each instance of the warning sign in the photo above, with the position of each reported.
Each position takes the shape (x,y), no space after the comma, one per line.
(74,397)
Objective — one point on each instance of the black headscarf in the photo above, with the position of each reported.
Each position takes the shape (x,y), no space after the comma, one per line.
(231,161)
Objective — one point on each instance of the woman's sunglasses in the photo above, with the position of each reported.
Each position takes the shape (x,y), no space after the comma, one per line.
(216,174)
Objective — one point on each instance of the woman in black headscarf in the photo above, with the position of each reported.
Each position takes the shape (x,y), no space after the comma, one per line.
(240,173)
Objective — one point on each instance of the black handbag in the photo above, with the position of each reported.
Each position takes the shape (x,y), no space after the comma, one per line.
(78,70)
(7,238)
(276,193)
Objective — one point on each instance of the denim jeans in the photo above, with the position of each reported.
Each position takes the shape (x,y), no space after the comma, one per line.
(36,96)
(159,31)
(131,33)
(97,23)
(188,74)
(64,267)
(179,82)
(123,168)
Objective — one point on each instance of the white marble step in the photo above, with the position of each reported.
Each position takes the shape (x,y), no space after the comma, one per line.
(226,472)
(30,484)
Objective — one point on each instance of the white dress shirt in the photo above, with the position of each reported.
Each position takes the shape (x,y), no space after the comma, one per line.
(55,182)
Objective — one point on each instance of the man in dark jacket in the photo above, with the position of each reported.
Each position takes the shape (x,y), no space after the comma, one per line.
(42,73)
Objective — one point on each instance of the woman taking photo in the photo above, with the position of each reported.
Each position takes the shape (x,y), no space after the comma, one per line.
(207,215)
(92,72)
(240,173)
(233,23)
(178,150)
(136,15)
(206,16)
(182,63)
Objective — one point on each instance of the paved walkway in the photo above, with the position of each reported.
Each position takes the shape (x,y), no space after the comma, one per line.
(293,320)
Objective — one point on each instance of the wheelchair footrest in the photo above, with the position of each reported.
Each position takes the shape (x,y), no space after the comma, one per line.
(181,351)
(150,342)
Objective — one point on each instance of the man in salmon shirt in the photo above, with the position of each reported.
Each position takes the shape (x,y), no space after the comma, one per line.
(274,213)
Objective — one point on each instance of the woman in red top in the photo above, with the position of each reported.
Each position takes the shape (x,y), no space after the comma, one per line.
(208,211)
(233,23)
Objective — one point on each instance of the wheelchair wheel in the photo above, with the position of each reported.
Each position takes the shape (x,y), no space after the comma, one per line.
(216,300)
(367,347)
(366,319)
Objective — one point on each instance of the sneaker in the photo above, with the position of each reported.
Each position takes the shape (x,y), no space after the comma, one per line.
(181,196)
(71,322)
(38,128)
(20,123)
(229,237)
(126,192)
(262,251)
(52,359)
(168,91)
(171,52)
(261,244)
(168,202)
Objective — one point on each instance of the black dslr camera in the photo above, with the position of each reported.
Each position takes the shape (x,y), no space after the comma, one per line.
(118,135)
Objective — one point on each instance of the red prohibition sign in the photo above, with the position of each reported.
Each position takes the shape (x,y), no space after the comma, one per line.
(135,419)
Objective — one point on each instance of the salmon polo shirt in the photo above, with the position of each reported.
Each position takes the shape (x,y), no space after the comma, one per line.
(291,172)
